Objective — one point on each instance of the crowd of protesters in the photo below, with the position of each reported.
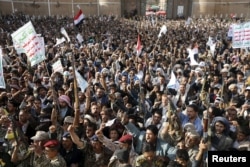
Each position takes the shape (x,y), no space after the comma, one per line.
(128,114)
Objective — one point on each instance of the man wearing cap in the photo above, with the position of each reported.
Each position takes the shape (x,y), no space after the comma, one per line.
(53,155)
(69,152)
(96,154)
(122,159)
(192,139)
(125,143)
(36,156)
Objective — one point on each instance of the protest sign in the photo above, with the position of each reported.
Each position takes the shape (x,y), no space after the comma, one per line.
(33,45)
(82,83)
(241,35)
(57,66)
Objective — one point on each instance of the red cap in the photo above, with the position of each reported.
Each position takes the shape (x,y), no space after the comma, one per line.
(126,139)
(51,143)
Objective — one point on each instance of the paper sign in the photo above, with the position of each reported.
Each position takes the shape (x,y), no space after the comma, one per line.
(241,35)
(33,45)
(57,66)
(82,83)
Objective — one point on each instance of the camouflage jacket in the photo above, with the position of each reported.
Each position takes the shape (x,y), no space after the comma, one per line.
(141,161)
(57,162)
(34,161)
(90,158)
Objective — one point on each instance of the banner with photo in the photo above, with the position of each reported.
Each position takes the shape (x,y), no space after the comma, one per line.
(32,43)
(241,35)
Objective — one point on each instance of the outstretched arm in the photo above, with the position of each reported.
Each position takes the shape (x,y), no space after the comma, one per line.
(80,144)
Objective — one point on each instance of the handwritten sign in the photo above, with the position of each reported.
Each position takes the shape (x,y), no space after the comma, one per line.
(241,35)
(57,66)
(33,45)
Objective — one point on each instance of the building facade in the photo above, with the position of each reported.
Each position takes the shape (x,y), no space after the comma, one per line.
(174,8)
(69,7)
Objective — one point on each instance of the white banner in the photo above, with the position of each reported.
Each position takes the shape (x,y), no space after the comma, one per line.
(2,82)
(82,83)
(173,83)
(59,41)
(57,66)
(79,38)
(33,45)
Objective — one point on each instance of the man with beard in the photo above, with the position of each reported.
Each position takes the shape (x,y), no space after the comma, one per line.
(65,108)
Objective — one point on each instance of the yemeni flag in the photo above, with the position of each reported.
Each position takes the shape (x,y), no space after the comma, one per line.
(138,46)
(79,17)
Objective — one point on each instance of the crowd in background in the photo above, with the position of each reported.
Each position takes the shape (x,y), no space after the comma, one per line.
(129,116)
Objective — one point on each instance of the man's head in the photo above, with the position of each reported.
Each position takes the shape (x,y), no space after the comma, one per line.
(96,144)
(151,133)
(182,157)
(191,138)
(40,139)
(148,151)
(157,116)
(164,99)
(122,155)
(12,105)
(64,101)
(23,116)
(247,92)
(113,134)
(67,142)
(192,111)
(95,110)
(37,103)
(90,130)
(182,88)
(68,120)
(126,141)
(99,92)
(105,114)
(51,149)
(231,113)
(42,91)
(233,88)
